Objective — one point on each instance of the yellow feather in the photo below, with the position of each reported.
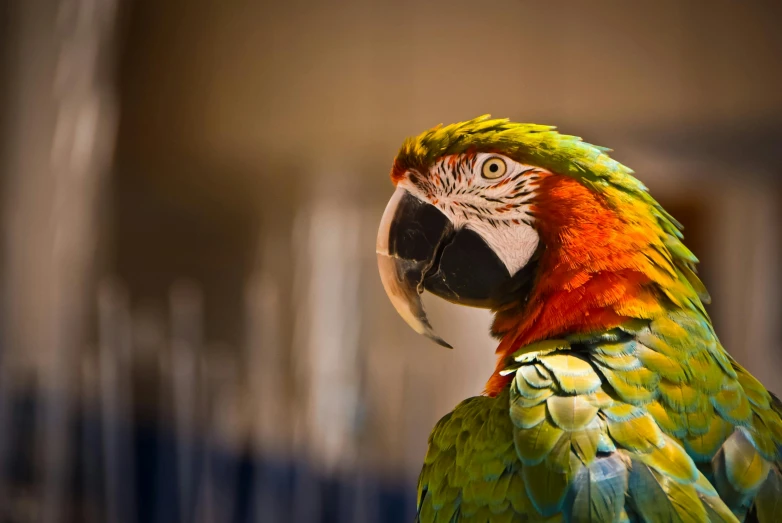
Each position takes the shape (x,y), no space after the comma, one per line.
(744,466)
(669,421)
(533,377)
(673,333)
(671,459)
(742,413)
(527,417)
(599,399)
(728,397)
(534,444)
(622,412)
(698,421)
(666,367)
(707,444)
(567,364)
(682,397)
(585,442)
(629,393)
(579,384)
(619,362)
(639,434)
(571,412)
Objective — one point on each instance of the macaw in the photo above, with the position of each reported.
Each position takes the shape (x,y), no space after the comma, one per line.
(612,399)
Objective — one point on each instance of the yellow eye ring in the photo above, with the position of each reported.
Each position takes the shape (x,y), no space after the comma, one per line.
(493,168)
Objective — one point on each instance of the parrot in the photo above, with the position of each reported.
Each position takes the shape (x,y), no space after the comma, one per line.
(612,399)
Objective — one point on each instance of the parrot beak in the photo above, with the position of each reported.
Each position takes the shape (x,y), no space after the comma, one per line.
(419,248)
(407,243)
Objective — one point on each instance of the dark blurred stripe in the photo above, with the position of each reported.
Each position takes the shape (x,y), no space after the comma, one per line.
(244,480)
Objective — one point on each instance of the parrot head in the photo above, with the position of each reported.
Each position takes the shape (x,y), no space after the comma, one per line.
(459,225)
(545,229)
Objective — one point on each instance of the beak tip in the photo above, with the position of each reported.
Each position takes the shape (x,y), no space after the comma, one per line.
(438,340)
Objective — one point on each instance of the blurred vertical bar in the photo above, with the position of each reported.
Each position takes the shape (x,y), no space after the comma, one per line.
(115,385)
(90,440)
(60,124)
(204,510)
(333,338)
(306,502)
(186,303)
(164,506)
(217,494)
(329,361)
(7,36)
(265,386)
(271,428)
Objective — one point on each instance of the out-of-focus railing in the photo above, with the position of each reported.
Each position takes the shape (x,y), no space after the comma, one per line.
(126,464)
(110,412)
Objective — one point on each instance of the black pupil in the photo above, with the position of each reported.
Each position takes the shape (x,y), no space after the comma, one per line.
(494,167)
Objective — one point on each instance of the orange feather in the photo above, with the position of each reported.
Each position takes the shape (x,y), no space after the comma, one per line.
(594,270)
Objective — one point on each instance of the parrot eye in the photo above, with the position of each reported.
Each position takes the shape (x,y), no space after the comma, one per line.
(493,168)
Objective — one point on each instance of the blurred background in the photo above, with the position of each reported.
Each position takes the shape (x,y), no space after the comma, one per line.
(192,327)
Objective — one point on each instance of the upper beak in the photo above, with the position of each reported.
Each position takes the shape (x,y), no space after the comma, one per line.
(412,233)
(419,248)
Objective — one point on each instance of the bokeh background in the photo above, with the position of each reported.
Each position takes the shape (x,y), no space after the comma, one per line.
(191,325)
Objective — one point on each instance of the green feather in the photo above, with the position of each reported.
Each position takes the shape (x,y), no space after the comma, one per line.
(623,412)
(426,513)
(768,502)
(634,394)
(598,492)
(570,412)
(665,366)
(682,397)
(533,445)
(639,434)
(619,362)
(534,378)
(530,392)
(585,442)
(546,488)
(702,447)
(656,498)
(672,460)
(527,417)
(745,468)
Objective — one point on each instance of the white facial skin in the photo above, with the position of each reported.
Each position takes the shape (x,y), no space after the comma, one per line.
(487,193)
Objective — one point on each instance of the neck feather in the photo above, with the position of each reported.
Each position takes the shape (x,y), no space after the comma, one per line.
(601,267)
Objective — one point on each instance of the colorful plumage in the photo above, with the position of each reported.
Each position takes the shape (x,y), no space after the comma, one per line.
(613,399)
